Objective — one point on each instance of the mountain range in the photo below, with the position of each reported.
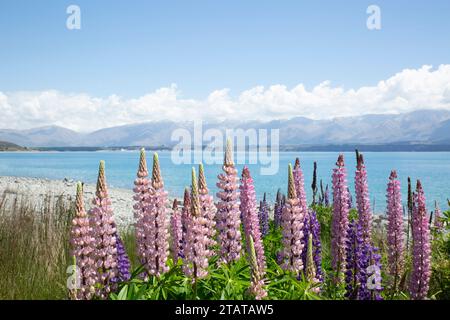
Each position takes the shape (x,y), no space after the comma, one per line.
(425,127)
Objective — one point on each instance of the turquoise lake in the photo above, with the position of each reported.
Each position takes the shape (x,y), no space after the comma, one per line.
(432,168)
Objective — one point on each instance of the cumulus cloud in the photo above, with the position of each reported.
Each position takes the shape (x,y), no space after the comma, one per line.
(408,90)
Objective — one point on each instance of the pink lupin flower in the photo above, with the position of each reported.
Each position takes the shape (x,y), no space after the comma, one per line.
(176,226)
(185,215)
(228,215)
(301,196)
(421,266)
(257,286)
(292,230)
(104,232)
(141,194)
(438,224)
(208,208)
(83,246)
(252,231)
(340,217)
(395,229)
(363,200)
(197,241)
(155,224)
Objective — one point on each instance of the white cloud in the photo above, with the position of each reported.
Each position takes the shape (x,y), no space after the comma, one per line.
(408,90)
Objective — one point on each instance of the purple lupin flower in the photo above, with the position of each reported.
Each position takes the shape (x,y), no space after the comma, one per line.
(373,274)
(83,247)
(197,241)
(228,214)
(363,200)
(123,262)
(311,226)
(292,230)
(327,197)
(208,209)
(263,215)
(141,194)
(176,227)
(339,218)
(349,199)
(355,259)
(395,229)
(438,224)
(250,215)
(278,209)
(155,224)
(421,266)
(103,230)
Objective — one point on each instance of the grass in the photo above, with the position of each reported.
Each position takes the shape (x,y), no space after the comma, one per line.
(34,245)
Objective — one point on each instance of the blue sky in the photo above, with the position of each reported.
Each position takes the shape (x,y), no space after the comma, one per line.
(130,48)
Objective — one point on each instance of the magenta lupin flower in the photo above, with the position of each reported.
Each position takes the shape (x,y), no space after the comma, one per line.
(292,230)
(176,227)
(155,224)
(83,247)
(363,200)
(340,217)
(421,266)
(141,194)
(228,215)
(197,241)
(104,232)
(251,224)
(395,229)
(208,208)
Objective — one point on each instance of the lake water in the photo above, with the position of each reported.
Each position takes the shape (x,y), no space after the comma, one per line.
(432,168)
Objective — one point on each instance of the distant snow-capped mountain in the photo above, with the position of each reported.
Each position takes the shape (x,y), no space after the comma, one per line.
(419,126)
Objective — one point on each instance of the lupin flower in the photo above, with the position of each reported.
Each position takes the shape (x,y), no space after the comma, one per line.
(350,199)
(314,183)
(362,199)
(421,266)
(83,246)
(185,214)
(176,227)
(123,262)
(301,196)
(208,209)
(292,230)
(356,261)
(196,251)
(155,224)
(263,215)
(395,230)
(311,267)
(278,209)
(340,217)
(363,268)
(104,231)
(257,275)
(141,194)
(250,219)
(438,224)
(311,226)
(228,215)
(326,197)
